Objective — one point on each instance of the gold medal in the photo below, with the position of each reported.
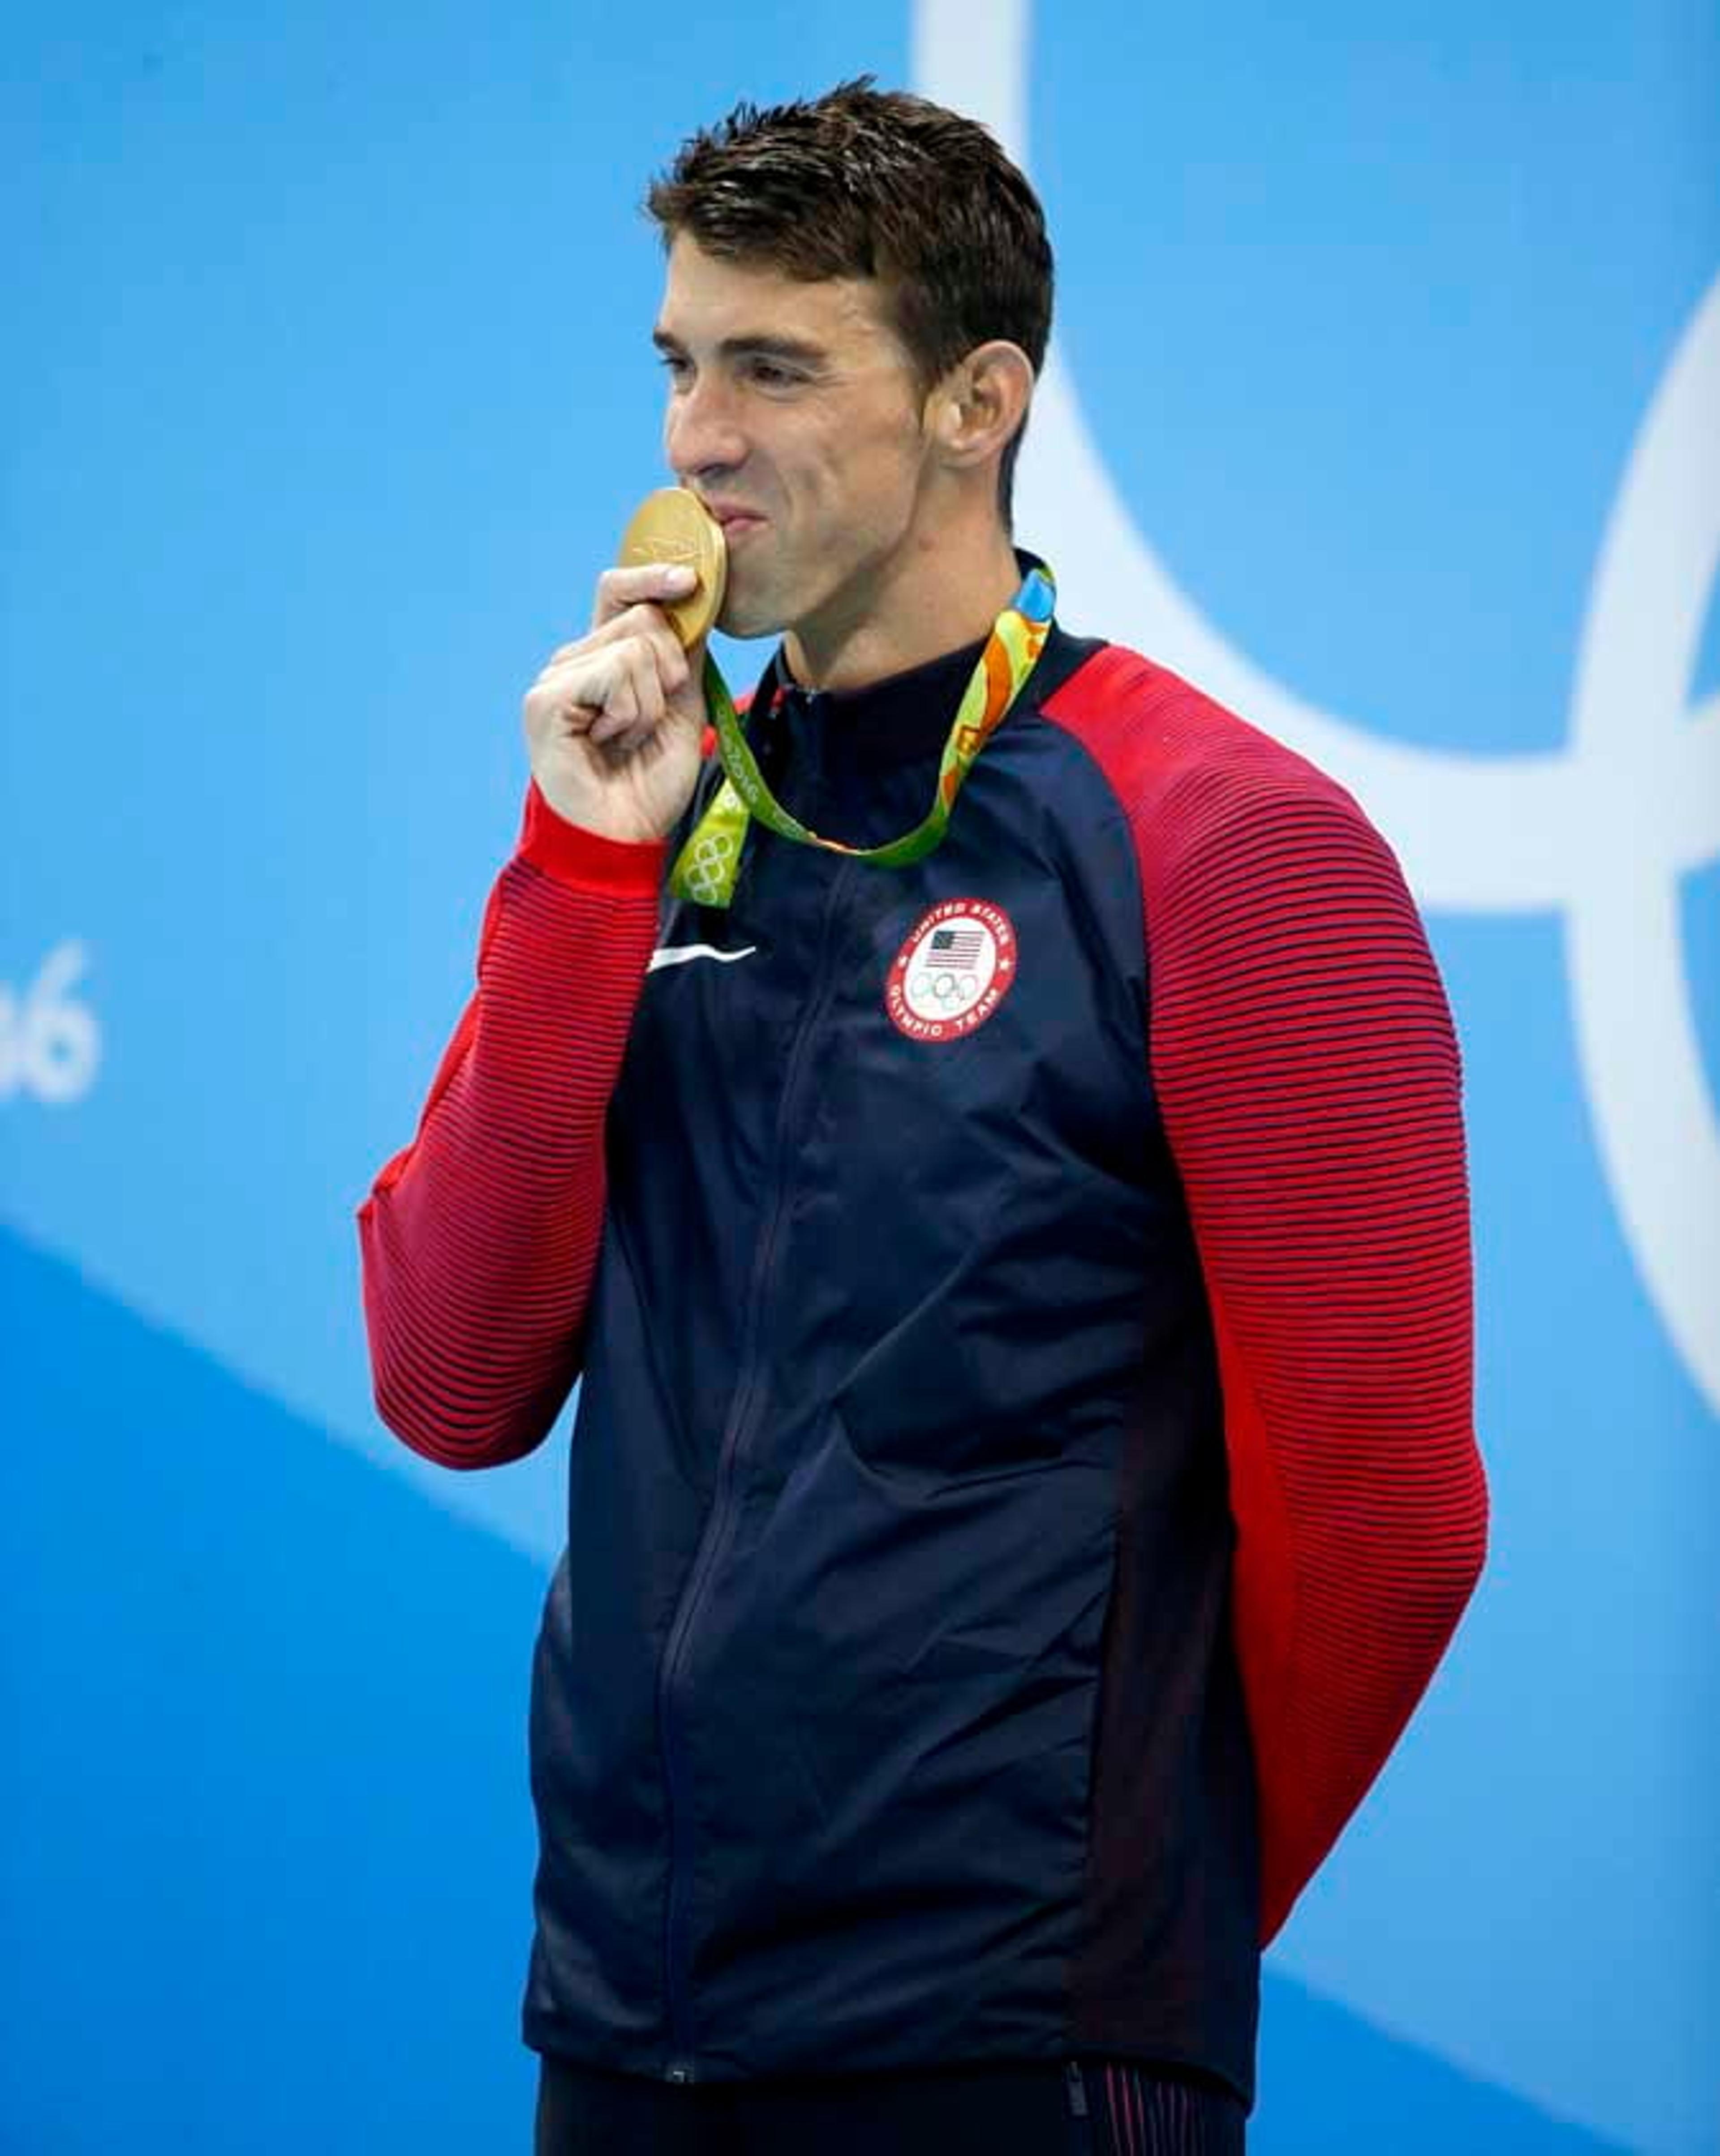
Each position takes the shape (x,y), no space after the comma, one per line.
(673,525)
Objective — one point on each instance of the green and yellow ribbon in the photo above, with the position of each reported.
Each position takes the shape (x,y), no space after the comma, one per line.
(709,862)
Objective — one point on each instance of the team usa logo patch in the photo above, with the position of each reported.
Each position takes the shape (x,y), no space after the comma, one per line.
(956,968)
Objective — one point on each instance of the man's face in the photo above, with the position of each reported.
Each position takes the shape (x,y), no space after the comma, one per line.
(793,413)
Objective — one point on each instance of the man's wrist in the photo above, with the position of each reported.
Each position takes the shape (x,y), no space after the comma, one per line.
(588,860)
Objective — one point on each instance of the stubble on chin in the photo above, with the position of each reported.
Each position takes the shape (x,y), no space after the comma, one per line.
(744,619)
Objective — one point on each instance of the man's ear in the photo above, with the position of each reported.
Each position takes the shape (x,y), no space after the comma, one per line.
(979,405)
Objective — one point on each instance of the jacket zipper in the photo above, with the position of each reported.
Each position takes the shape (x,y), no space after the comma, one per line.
(720,1521)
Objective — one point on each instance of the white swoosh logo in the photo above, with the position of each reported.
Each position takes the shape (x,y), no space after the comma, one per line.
(682,954)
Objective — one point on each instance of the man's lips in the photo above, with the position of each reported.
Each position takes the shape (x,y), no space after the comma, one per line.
(733,519)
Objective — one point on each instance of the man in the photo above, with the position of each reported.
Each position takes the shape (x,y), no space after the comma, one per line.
(1023,1478)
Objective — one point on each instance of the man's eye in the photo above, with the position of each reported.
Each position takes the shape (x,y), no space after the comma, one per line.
(772,374)
(675,365)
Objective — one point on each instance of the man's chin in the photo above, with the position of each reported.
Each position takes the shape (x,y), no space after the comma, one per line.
(744,622)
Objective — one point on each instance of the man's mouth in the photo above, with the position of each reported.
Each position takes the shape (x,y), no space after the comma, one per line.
(733,518)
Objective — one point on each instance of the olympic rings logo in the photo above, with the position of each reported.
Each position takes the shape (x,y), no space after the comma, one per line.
(1599,831)
(708,867)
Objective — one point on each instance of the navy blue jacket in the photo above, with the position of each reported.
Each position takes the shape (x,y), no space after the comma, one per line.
(885,1708)
(1023,1476)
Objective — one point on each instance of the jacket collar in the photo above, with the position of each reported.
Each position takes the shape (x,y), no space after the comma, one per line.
(899,719)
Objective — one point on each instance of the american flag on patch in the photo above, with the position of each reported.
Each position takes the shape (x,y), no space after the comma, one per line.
(956,947)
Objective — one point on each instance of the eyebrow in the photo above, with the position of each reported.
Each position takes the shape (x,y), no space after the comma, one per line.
(758,346)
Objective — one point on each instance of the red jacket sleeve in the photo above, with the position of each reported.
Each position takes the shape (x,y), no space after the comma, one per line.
(479,1242)
(1306,1067)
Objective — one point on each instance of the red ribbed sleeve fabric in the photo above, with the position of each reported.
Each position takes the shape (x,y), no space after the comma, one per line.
(1304,1061)
(479,1241)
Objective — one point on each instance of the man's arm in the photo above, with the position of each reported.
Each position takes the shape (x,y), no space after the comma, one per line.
(480,1240)
(1306,1067)
(1310,1081)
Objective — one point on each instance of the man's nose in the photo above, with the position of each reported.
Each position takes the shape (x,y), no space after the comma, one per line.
(701,431)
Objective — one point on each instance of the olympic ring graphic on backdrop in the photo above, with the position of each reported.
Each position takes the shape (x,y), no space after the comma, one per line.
(1599,830)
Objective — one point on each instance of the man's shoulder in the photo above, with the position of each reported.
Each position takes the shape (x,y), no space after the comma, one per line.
(1153,727)
(1182,764)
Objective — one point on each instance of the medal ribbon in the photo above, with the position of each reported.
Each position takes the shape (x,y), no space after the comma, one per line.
(711,859)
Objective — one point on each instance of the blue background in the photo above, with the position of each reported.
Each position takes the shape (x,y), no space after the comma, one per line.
(328,386)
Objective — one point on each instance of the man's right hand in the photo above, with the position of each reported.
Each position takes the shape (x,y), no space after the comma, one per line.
(615,722)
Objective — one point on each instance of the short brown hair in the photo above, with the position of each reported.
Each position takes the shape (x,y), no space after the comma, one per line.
(865,183)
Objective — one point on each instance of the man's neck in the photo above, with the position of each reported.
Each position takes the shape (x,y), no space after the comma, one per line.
(942,597)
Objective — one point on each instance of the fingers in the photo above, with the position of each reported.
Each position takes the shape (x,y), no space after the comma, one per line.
(643,620)
(637,704)
(614,686)
(641,583)
(613,689)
